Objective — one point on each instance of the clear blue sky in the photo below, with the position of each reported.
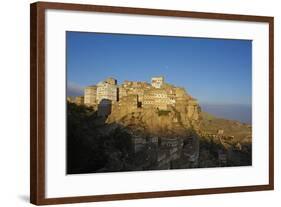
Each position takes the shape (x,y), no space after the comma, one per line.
(216,71)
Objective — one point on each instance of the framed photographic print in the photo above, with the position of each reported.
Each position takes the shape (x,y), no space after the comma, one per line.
(130,103)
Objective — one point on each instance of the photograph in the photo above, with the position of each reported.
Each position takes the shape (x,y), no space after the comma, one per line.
(147,102)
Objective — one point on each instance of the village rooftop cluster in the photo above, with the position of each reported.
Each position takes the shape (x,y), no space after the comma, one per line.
(157,94)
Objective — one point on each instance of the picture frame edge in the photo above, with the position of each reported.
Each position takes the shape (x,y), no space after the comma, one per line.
(37,103)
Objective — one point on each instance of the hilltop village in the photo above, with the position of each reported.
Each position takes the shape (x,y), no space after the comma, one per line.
(163,124)
(107,95)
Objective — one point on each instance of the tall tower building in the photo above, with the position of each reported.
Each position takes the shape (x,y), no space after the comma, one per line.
(90,95)
(157,81)
(107,90)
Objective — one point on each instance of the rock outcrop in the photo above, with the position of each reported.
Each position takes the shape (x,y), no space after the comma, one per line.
(175,120)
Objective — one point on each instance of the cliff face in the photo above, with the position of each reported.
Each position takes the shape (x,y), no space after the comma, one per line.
(189,113)
(175,120)
(142,126)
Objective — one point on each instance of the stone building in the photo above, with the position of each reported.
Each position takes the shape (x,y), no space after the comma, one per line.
(139,143)
(157,98)
(130,102)
(171,142)
(157,81)
(153,140)
(107,96)
(125,105)
(79,100)
(111,81)
(123,92)
(158,94)
(133,88)
(90,95)
(107,90)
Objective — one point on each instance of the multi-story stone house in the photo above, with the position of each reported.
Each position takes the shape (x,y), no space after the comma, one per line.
(90,95)
(107,90)
(133,88)
(138,94)
(125,105)
(157,98)
(157,81)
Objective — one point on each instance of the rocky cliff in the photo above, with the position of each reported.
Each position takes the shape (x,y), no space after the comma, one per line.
(175,120)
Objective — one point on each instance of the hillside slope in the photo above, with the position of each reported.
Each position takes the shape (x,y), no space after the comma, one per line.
(211,124)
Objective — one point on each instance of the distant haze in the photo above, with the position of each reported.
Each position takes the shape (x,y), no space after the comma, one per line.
(74,89)
(238,112)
